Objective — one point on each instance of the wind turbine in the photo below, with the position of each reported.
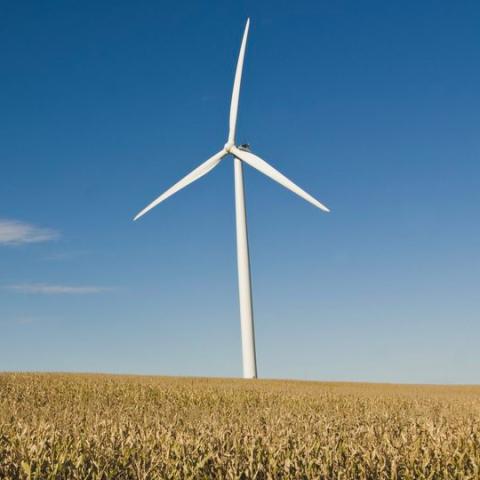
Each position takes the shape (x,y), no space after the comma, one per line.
(241,154)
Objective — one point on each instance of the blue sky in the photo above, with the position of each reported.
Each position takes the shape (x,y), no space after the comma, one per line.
(373,107)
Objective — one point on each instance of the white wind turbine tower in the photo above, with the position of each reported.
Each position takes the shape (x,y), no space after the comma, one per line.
(241,154)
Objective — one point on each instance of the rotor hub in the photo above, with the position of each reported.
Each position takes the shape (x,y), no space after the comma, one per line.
(228,146)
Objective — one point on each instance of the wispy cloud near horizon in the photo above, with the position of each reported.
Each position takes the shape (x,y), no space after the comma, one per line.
(64,256)
(47,289)
(14,232)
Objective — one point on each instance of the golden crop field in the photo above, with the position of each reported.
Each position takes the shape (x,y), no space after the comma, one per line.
(64,426)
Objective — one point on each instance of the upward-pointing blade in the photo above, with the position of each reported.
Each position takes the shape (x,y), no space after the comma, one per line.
(236,86)
(199,172)
(263,167)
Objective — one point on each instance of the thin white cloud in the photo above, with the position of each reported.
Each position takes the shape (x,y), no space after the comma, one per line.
(46,289)
(14,232)
(24,320)
(63,256)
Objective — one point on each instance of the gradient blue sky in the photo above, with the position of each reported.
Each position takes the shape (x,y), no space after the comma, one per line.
(373,107)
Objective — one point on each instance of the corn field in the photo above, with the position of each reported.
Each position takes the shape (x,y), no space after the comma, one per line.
(65,426)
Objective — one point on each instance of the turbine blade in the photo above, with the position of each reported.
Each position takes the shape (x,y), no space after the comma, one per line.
(263,167)
(199,172)
(236,86)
